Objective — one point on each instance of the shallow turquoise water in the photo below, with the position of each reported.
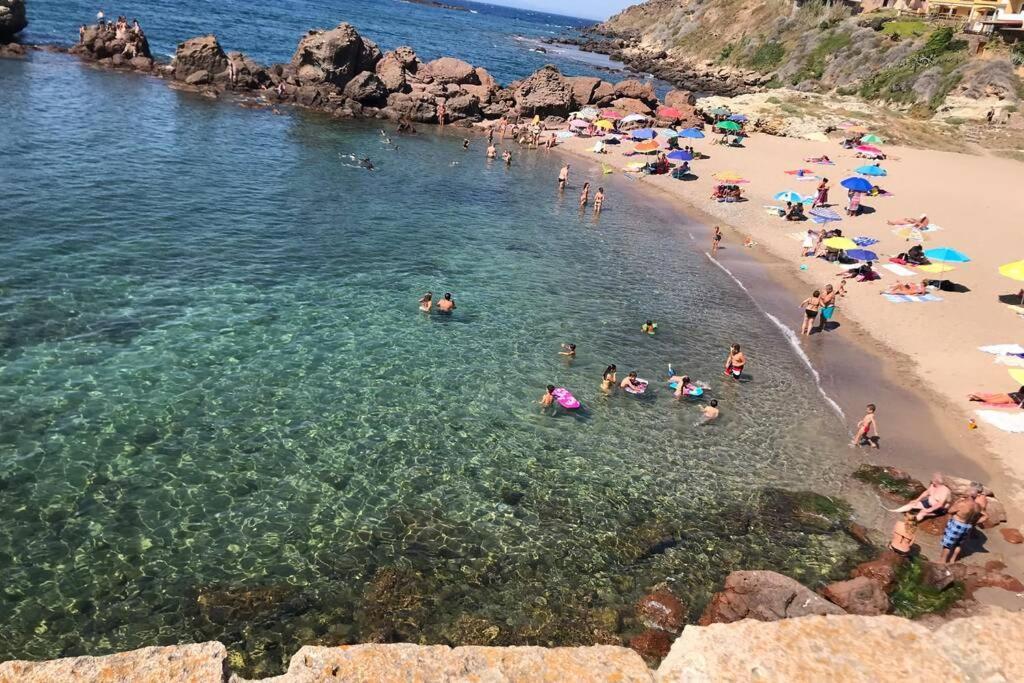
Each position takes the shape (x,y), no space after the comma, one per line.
(225,418)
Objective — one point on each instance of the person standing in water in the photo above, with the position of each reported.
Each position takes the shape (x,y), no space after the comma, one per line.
(447,304)
(584,196)
(492,152)
(563,178)
(735,362)
(710,412)
(810,305)
(828,307)
(716,239)
(608,379)
(426,302)
(548,398)
(865,427)
(441,111)
(598,201)
(507,156)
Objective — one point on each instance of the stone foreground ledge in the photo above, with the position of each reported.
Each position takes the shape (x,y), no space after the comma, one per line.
(849,648)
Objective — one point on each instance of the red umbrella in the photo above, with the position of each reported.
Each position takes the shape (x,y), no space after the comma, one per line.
(669,113)
(869,148)
(611,114)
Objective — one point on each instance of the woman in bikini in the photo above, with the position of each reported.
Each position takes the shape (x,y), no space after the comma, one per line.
(811,305)
(608,379)
(426,302)
(584,196)
(908,288)
(1013,398)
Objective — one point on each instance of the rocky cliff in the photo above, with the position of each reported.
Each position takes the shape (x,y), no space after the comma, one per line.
(851,649)
(729,47)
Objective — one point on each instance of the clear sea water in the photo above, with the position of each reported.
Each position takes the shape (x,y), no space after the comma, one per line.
(224,418)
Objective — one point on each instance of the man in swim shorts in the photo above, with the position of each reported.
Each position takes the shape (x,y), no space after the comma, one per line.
(563,177)
(867,425)
(933,502)
(735,362)
(963,515)
(631,383)
(447,304)
(828,306)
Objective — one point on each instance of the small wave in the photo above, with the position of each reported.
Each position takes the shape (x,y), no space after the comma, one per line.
(791,337)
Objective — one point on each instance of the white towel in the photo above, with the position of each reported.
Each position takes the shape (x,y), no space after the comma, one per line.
(1007,421)
(911,298)
(1002,349)
(898,269)
(1013,361)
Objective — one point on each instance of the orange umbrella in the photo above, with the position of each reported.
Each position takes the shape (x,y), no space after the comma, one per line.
(647,147)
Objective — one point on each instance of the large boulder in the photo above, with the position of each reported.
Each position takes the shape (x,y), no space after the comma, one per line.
(203,53)
(583,88)
(881,570)
(173,664)
(604,93)
(859,595)
(462,105)
(396,68)
(12,18)
(637,90)
(766,596)
(449,71)
(680,99)
(546,92)
(631,106)
(367,88)
(417,107)
(250,75)
(486,79)
(334,56)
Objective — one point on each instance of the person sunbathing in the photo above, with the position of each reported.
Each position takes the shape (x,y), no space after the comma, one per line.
(908,288)
(933,502)
(921,222)
(1014,398)
(823,159)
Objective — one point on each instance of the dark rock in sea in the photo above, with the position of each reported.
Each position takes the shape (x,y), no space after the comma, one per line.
(662,610)
(891,482)
(544,93)
(334,56)
(512,497)
(12,50)
(803,511)
(766,596)
(416,107)
(653,644)
(234,604)
(199,60)
(367,88)
(12,18)
(859,595)
(859,533)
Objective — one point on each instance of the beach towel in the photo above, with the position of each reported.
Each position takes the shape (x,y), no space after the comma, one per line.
(798,236)
(931,227)
(864,241)
(898,270)
(1003,349)
(1012,361)
(1008,422)
(911,298)
(774,210)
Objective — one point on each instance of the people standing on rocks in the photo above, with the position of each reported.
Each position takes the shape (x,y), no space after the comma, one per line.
(441,112)
(963,515)
(810,305)
(232,72)
(716,240)
(99,18)
(865,427)
(821,199)
(81,33)
(598,201)
(584,196)
(563,178)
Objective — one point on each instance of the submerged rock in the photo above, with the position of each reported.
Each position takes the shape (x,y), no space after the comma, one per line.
(662,610)
(765,596)
(653,644)
(882,570)
(891,482)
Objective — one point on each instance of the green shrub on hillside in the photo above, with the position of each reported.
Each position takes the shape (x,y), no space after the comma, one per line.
(940,56)
(814,65)
(767,56)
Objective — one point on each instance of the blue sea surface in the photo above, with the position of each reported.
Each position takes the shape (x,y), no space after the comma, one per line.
(223,416)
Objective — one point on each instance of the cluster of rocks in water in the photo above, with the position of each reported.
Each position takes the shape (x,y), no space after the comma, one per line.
(343,73)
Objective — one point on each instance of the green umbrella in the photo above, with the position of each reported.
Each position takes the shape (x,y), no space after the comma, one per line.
(871,140)
(720,111)
(728,125)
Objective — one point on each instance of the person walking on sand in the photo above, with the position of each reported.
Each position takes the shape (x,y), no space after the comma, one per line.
(716,239)
(865,427)
(822,197)
(563,178)
(598,201)
(584,196)
(811,305)
(735,362)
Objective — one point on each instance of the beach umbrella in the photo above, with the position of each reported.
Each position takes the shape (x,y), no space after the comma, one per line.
(872,170)
(947,255)
(856,184)
(738,118)
(729,177)
(579,123)
(647,147)
(728,125)
(611,114)
(788,196)
(669,113)
(869,149)
(605,124)
(1014,271)
(823,214)
(841,243)
(936,268)
(633,118)
(871,139)
(667,132)
(912,233)
(680,155)
(643,134)
(1018,375)
(691,133)
(588,113)
(862,254)
(720,111)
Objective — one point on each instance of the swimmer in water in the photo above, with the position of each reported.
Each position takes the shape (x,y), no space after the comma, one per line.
(683,385)
(649,327)
(492,152)
(568,350)
(366,163)
(631,382)
(426,302)
(465,143)
(447,304)
(548,398)
(608,379)
(507,156)
(710,412)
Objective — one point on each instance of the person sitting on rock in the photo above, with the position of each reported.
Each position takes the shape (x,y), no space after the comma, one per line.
(136,28)
(903,532)
(933,502)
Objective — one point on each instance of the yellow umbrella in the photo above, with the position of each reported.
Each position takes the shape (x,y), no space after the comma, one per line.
(729,177)
(635,165)
(605,124)
(936,268)
(912,234)
(649,146)
(1017,374)
(1014,271)
(840,243)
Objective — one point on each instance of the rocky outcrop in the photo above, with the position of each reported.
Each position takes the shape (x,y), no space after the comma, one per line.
(859,595)
(397,67)
(199,60)
(765,596)
(449,71)
(637,90)
(882,570)
(583,88)
(417,107)
(102,44)
(12,18)
(367,88)
(680,99)
(199,663)
(334,56)
(630,105)
(545,93)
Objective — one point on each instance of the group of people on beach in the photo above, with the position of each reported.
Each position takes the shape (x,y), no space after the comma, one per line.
(965,513)
(820,306)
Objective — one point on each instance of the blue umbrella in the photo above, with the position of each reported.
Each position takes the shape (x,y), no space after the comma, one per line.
(824,214)
(691,133)
(946,254)
(872,170)
(862,254)
(856,184)
(788,196)
(738,118)
(644,134)
(667,133)
(680,155)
